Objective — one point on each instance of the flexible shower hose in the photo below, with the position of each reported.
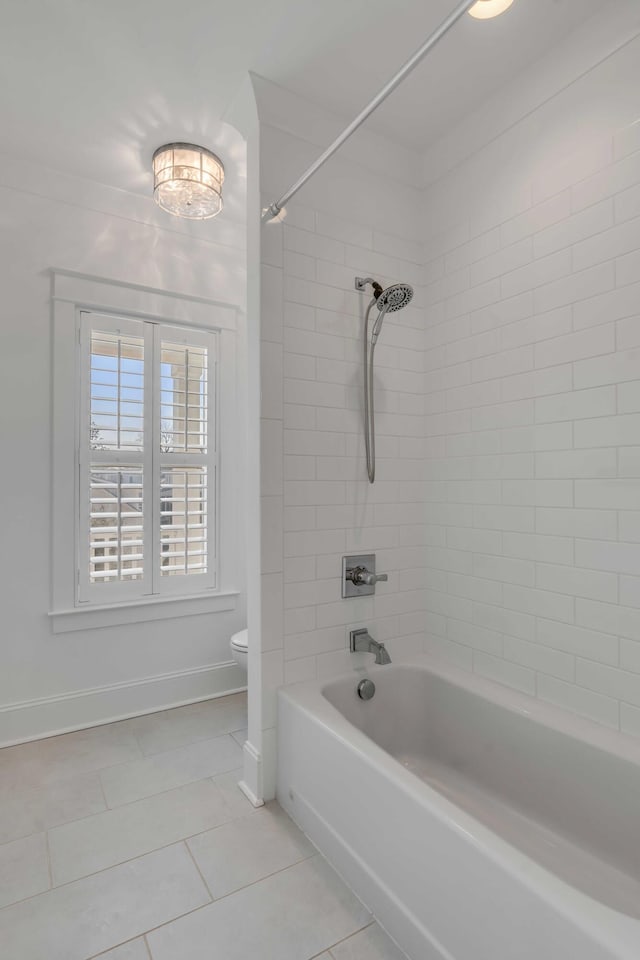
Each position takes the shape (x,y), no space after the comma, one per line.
(369,409)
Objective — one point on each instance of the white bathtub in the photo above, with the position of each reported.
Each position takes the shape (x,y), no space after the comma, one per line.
(476,823)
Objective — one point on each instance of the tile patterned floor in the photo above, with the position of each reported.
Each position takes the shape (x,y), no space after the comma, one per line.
(132,841)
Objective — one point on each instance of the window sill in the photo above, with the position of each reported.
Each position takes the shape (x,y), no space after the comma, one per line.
(91,617)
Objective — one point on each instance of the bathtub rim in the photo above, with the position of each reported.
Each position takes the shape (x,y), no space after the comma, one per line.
(608,739)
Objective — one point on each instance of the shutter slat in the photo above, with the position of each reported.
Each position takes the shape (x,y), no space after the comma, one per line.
(116,547)
(183,521)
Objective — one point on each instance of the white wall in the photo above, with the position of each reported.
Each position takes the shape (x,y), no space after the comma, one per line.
(533,380)
(49,681)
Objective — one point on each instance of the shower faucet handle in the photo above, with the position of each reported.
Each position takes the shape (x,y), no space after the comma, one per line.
(359,575)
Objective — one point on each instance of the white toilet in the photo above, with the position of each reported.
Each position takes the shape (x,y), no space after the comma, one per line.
(240,647)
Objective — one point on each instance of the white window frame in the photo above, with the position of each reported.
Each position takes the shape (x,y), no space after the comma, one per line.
(149,459)
(75,608)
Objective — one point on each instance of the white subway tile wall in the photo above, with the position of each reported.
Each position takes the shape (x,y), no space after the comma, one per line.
(506,509)
(313,466)
(539,584)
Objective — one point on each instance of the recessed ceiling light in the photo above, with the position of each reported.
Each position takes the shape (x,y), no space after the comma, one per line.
(187,181)
(486,9)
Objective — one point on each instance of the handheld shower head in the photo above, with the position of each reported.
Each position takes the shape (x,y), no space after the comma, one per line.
(395,297)
(388,300)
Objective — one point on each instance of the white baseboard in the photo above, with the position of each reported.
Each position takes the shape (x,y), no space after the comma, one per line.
(50,716)
(251,783)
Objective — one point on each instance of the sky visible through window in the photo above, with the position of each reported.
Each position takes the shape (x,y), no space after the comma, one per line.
(117,392)
(117,395)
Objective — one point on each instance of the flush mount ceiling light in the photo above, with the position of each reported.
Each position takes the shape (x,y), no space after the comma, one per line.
(187,181)
(486,9)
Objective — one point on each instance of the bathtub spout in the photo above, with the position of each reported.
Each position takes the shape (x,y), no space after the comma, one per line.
(362,642)
(382,655)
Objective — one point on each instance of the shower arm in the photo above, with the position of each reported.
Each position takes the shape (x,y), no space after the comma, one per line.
(275,208)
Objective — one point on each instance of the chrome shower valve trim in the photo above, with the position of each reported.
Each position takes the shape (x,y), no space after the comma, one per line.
(359,575)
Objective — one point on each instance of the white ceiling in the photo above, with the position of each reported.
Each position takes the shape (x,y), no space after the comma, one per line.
(343,68)
(93,87)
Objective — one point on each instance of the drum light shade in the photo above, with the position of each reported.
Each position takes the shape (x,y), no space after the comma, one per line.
(187,181)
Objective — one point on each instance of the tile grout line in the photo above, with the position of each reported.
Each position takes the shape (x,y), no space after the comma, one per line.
(200,873)
(123,943)
(187,783)
(349,936)
(49,865)
(97,773)
(181,746)
(166,846)
(151,929)
(189,913)
(210,777)
(104,797)
(98,770)
(138,856)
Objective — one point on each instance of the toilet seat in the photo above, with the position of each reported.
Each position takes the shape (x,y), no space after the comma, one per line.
(240,640)
(239,647)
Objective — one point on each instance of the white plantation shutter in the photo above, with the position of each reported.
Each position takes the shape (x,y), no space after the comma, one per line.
(147,460)
(187,459)
(183,521)
(116,524)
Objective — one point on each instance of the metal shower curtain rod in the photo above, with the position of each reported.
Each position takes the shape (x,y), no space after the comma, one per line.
(275,208)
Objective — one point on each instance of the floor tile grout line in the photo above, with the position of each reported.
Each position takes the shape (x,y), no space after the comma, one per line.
(122,807)
(159,926)
(187,783)
(221,733)
(112,866)
(138,856)
(200,873)
(97,873)
(34,896)
(205,905)
(166,846)
(146,756)
(104,797)
(190,743)
(268,876)
(123,943)
(49,865)
(114,723)
(208,778)
(151,756)
(329,949)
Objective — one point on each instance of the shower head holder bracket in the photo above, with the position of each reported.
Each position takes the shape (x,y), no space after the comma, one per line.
(361,283)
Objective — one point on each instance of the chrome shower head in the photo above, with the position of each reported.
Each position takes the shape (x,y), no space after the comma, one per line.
(394,298)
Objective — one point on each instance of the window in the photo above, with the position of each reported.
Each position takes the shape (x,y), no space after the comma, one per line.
(148,423)
(147,460)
